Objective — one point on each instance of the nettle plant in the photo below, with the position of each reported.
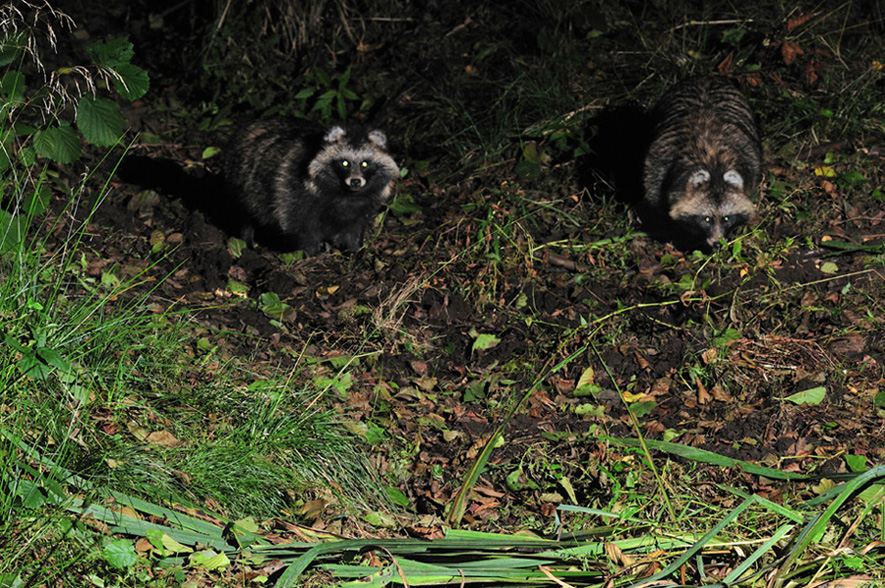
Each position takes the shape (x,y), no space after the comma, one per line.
(47,112)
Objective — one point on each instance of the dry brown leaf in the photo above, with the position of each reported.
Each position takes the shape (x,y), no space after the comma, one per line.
(850,343)
(709,355)
(798,21)
(720,394)
(420,367)
(660,387)
(703,395)
(164,438)
(614,553)
(790,52)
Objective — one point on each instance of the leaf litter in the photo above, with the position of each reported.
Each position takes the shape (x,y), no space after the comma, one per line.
(454,313)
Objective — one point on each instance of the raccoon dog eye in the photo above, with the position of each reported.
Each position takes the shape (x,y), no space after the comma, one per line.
(708,219)
(364,164)
(345,163)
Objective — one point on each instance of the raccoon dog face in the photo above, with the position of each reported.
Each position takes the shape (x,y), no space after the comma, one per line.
(353,163)
(710,205)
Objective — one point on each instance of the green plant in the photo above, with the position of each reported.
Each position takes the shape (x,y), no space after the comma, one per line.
(46,109)
(334,91)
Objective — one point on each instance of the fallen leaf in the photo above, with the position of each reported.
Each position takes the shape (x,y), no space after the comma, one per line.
(798,21)
(810,396)
(703,395)
(164,438)
(485,341)
(720,394)
(849,343)
(790,52)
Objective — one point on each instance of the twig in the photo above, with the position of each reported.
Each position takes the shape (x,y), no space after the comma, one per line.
(569,264)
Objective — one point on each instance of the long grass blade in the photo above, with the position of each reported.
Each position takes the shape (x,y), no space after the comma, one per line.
(818,525)
(704,456)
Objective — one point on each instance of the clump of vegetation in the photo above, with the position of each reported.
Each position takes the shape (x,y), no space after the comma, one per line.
(48,107)
(101,393)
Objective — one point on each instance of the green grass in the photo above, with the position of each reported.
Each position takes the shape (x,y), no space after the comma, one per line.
(103,392)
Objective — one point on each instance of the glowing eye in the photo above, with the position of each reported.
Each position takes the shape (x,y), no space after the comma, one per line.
(364,164)
(725,219)
(345,163)
(708,220)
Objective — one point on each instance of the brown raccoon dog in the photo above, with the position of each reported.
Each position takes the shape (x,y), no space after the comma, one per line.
(703,164)
(302,185)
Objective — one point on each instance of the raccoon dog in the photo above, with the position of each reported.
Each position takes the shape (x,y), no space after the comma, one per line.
(302,185)
(704,161)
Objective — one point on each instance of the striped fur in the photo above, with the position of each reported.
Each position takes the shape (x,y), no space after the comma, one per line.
(302,185)
(704,162)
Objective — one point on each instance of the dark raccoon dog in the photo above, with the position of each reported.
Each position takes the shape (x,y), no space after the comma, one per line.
(704,162)
(302,185)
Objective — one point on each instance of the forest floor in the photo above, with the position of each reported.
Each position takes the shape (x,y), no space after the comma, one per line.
(507,261)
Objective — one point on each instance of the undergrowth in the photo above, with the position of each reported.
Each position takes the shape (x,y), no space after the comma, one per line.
(133,442)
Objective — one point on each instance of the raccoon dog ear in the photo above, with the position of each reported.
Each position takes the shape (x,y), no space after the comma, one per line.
(378,138)
(335,135)
(698,178)
(734,179)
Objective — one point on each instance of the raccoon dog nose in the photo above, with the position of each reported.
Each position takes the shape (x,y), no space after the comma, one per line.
(356,183)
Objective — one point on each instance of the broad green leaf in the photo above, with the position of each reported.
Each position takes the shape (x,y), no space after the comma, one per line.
(61,144)
(111,52)
(13,230)
(641,409)
(120,554)
(30,494)
(397,497)
(53,358)
(236,247)
(587,376)
(100,121)
(209,559)
(236,287)
(11,47)
(134,83)
(12,86)
(810,396)
(586,386)
(726,336)
(485,341)
(11,580)
(165,544)
(851,179)
(340,384)
(375,435)
(856,463)
(27,155)
(404,204)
